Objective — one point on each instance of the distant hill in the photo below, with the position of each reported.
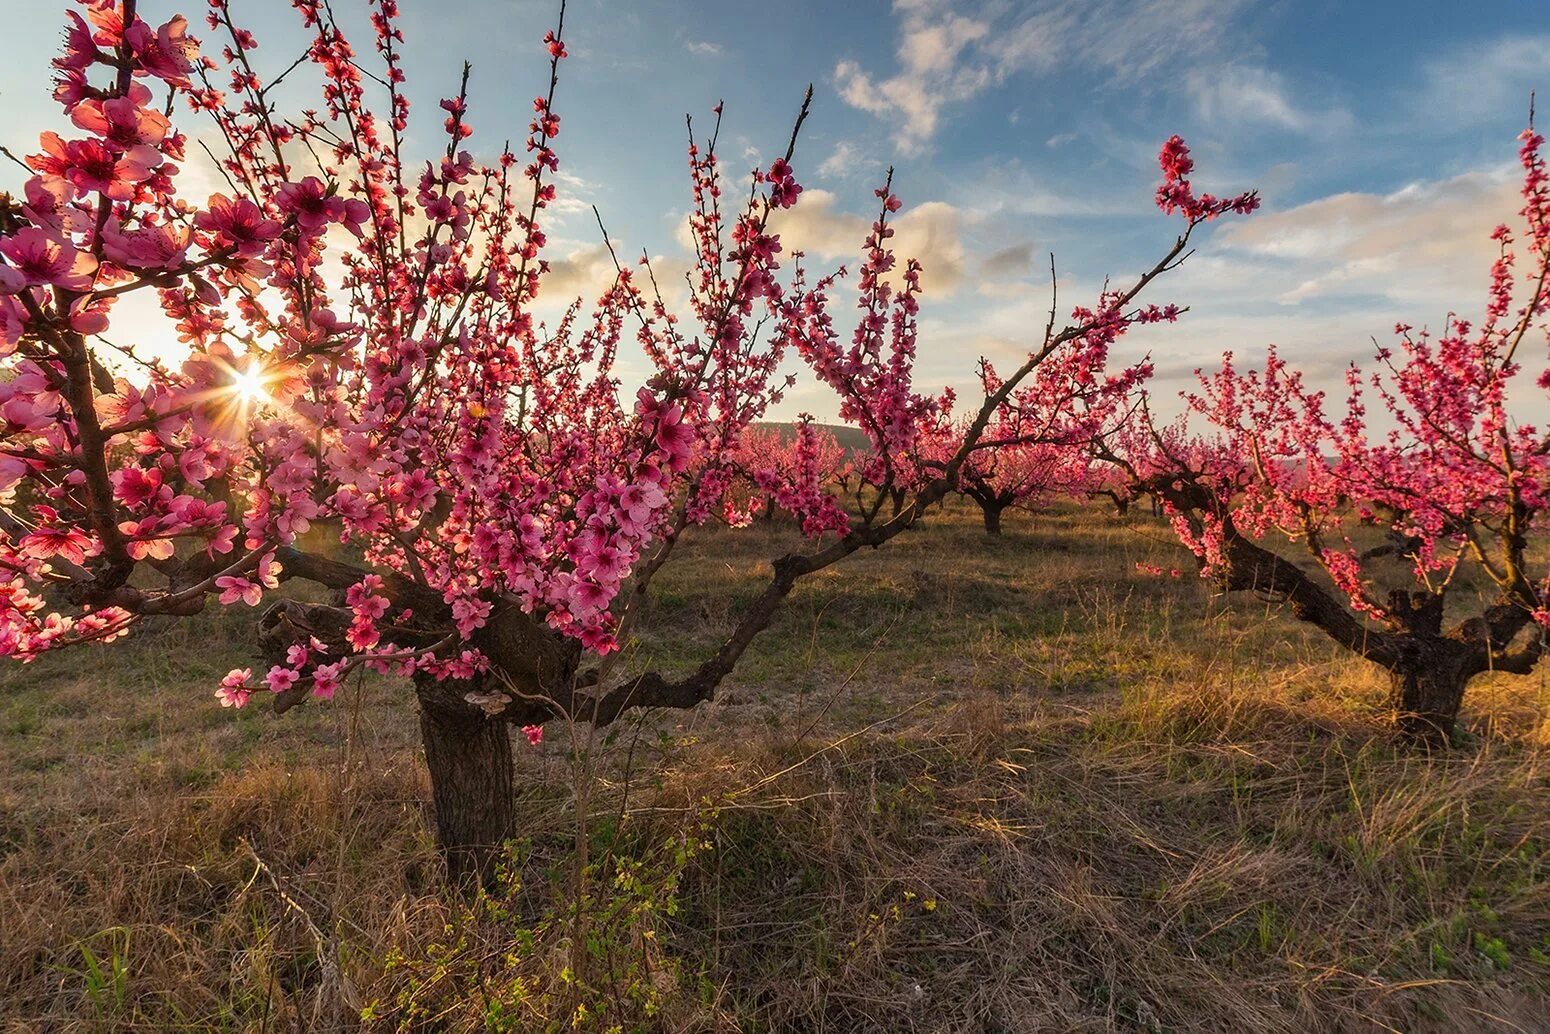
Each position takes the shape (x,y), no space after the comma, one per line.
(851,439)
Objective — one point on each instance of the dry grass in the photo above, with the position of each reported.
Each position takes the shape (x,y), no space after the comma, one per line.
(964,786)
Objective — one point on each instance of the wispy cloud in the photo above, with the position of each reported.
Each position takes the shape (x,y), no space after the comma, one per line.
(1427,243)
(950,52)
(1128,40)
(941,61)
(705,49)
(1484,77)
(1252,95)
(848,160)
(1015,189)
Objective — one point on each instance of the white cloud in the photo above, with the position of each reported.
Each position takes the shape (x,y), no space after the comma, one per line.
(1486,78)
(933,72)
(572,193)
(705,49)
(1426,243)
(1320,280)
(1251,95)
(584,273)
(949,52)
(847,160)
(1324,279)
(931,232)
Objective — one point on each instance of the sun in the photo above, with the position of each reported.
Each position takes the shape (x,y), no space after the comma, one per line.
(248,385)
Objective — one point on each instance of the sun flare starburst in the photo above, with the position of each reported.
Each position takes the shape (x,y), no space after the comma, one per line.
(250,385)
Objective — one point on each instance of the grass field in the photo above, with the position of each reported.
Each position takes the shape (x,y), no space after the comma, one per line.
(964,785)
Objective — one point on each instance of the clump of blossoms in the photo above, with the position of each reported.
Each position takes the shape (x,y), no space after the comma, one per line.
(1065,396)
(801,473)
(1433,465)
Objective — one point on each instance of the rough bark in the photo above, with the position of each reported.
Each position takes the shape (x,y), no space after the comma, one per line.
(1429,667)
(1245,566)
(1426,698)
(470,763)
(468,749)
(992,514)
(1428,670)
(467,746)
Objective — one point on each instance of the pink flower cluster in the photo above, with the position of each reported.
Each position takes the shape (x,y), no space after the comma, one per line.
(1177,195)
(799,475)
(874,375)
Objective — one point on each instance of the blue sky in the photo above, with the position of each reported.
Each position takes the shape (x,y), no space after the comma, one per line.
(1381,135)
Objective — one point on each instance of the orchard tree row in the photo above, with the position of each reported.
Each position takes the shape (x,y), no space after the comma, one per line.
(361,397)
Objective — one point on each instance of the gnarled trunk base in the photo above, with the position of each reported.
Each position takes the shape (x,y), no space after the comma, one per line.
(1426,700)
(992,518)
(469,753)
(470,762)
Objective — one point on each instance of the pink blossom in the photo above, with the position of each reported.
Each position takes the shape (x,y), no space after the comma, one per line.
(69,544)
(238,224)
(234,690)
(80,49)
(236,587)
(325,680)
(469,614)
(315,206)
(280,678)
(92,165)
(167,53)
(145,247)
(43,261)
(126,122)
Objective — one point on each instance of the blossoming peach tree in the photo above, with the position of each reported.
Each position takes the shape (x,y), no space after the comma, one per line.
(363,399)
(1041,441)
(1449,467)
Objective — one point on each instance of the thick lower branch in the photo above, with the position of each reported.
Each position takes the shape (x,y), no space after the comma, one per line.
(1246,566)
(337,575)
(653,689)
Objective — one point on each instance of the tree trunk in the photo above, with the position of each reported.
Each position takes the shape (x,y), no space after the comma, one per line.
(469,753)
(992,514)
(470,762)
(1426,700)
